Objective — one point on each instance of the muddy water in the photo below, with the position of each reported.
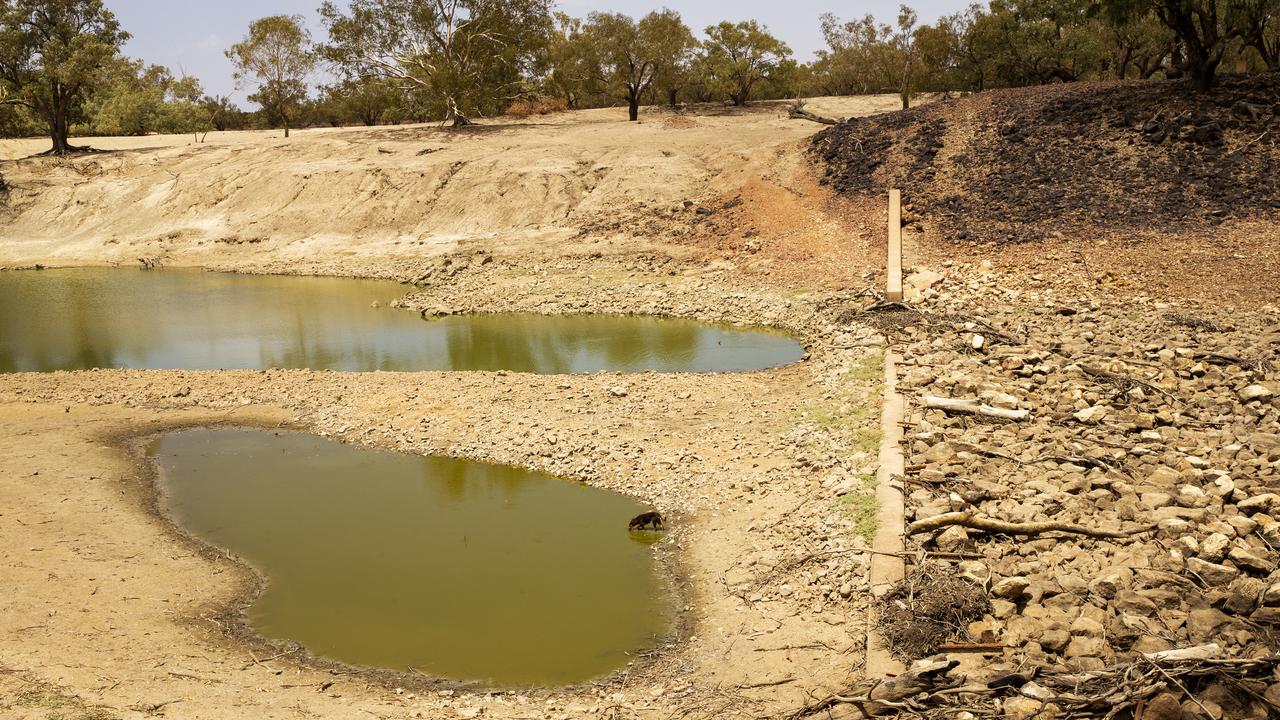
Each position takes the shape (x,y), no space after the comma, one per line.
(187,319)
(463,570)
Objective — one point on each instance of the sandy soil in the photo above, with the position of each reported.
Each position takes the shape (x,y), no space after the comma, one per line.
(391,193)
(118,615)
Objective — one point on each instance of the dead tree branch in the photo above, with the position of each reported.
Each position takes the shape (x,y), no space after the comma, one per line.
(972,407)
(969,519)
(796,110)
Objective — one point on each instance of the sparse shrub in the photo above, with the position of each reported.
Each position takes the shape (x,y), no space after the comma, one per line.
(4,188)
(522,109)
(550,105)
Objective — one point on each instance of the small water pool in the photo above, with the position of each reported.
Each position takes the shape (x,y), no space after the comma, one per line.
(77,319)
(462,570)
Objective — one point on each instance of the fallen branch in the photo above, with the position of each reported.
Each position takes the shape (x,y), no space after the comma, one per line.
(1251,142)
(876,697)
(972,647)
(1123,383)
(973,407)
(1212,651)
(770,683)
(796,110)
(970,520)
(1119,691)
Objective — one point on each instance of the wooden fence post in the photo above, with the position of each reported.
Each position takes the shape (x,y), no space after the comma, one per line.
(893,286)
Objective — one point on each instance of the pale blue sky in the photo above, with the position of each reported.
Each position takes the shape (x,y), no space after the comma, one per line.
(191,36)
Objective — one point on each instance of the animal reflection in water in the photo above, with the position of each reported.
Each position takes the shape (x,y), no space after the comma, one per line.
(644,520)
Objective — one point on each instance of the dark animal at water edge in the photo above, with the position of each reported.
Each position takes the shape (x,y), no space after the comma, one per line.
(643,520)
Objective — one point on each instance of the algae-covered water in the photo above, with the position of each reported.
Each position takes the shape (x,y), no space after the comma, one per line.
(77,319)
(462,570)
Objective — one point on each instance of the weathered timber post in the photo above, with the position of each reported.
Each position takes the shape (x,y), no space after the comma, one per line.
(893,285)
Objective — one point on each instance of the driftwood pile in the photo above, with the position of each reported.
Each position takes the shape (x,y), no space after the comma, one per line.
(1189,682)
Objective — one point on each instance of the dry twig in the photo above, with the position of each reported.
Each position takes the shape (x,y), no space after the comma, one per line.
(971,520)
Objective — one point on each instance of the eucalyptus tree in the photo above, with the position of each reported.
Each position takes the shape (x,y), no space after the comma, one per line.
(738,56)
(467,57)
(1258,23)
(627,56)
(277,57)
(52,53)
(1206,30)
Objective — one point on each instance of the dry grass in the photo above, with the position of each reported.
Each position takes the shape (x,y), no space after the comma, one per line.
(541,106)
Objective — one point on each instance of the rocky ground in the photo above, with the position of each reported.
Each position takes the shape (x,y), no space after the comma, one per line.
(1155,420)
(1136,372)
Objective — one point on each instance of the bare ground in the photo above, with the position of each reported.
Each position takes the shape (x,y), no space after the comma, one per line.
(119,614)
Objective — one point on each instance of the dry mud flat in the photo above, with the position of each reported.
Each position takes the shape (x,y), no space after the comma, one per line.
(115,615)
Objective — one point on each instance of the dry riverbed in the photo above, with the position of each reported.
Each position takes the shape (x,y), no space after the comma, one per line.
(1142,413)
(763,475)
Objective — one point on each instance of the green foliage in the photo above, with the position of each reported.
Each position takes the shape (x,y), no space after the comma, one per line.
(52,54)
(859,57)
(862,509)
(567,69)
(276,57)
(1027,42)
(223,114)
(737,57)
(367,101)
(133,99)
(623,58)
(462,57)
(18,121)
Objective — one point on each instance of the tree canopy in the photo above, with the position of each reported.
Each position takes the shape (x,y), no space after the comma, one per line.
(626,57)
(738,56)
(52,52)
(467,57)
(276,57)
(387,61)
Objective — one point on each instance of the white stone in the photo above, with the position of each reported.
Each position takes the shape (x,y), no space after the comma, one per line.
(1256,392)
(1214,547)
(1091,415)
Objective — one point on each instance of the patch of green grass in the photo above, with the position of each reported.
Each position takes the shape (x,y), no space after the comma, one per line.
(867,440)
(868,369)
(794,293)
(832,415)
(862,508)
(853,414)
(40,696)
